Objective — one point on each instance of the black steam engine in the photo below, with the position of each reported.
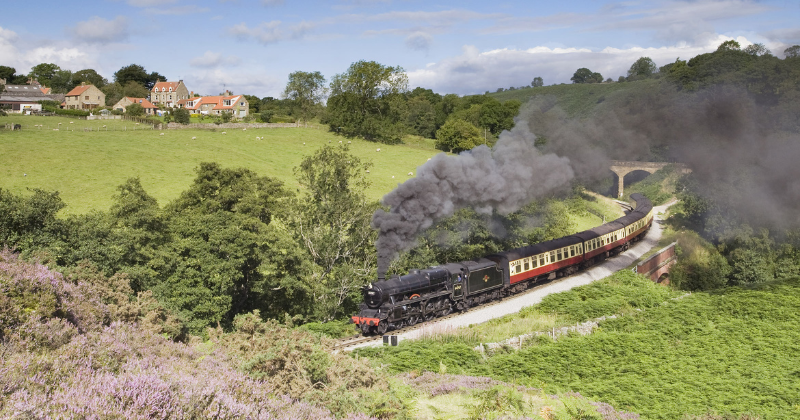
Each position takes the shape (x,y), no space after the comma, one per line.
(422,295)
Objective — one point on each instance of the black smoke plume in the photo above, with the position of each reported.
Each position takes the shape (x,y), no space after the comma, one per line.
(501,179)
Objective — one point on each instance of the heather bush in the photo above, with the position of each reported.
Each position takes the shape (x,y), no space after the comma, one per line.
(302,365)
(76,346)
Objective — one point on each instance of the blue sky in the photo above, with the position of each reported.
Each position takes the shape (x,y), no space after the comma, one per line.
(464,47)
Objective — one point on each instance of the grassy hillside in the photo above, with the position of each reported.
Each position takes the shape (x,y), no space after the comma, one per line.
(87,166)
(727,351)
(576,99)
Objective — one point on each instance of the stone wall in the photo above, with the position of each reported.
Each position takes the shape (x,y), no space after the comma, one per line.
(232,126)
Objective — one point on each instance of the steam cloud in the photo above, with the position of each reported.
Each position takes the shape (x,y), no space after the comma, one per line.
(502,179)
(743,149)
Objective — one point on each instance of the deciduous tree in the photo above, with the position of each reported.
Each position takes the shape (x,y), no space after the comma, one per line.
(584,75)
(307,90)
(366,101)
(457,135)
(332,220)
(537,82)
(642,68)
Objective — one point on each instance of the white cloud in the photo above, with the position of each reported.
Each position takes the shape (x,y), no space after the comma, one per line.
(101,31)
(271,32)
(419,41)
(15,55)
(212,59)
(240,81)
(475,72)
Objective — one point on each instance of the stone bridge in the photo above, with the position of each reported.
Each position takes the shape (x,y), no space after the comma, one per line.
(622,168)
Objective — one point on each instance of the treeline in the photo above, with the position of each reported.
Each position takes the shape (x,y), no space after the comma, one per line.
(232,243)
(236,242)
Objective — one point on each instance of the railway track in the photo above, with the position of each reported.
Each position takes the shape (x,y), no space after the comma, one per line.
(345,344)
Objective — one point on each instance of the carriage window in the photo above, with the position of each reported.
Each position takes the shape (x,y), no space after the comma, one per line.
(534,262)
(572,251)
(541,261)
(558,255)
(526,266)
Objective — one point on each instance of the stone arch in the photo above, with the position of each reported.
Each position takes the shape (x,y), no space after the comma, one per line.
(622,168)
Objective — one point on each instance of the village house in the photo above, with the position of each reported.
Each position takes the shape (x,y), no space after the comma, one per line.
(85,96)
(123,103)
(25,99)
(168,93)
(216,105)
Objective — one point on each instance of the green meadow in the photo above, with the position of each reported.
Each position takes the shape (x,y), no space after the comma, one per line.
(86,167)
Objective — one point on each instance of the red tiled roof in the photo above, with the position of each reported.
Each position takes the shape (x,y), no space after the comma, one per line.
(141,101)
(211,100)
(45,90)
(78,90)
(165,85)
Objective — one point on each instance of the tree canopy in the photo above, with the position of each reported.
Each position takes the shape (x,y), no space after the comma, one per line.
(642,68)
(584,75)
(307,90)
(137,73)
(365,102)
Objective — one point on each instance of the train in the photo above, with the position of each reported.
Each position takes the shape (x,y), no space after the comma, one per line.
(433,292)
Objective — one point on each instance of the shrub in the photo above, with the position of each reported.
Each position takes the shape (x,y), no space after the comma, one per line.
(181,116)
(134,110)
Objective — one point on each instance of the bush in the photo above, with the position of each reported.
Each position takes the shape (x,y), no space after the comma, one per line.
(134,110)
(181,116)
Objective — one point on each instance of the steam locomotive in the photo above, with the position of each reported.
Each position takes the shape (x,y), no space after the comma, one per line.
(422,295)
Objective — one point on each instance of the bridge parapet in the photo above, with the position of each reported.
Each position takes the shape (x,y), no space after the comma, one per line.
(623,167)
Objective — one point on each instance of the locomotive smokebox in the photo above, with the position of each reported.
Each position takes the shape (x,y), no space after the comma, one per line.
(381,277)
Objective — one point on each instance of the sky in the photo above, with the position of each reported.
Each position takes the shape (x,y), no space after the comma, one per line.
(463,47)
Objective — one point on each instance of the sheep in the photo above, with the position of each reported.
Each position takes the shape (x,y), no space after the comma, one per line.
(194,138)
(162,134)
(429,158)
(224,132)
(392,176)
(379,149)
(348,141)
(340,142)
(71,122)
(244,129)
(367,170)
(410,173)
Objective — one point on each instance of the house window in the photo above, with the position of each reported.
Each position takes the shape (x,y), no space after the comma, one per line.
(86,97)
(226,102)
(170,89)
(241,103)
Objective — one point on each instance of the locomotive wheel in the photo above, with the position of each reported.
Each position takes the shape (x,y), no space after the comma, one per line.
(365,329)
(412,319)
(382,327)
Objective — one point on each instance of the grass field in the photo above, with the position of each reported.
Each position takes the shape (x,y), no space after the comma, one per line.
(87,166)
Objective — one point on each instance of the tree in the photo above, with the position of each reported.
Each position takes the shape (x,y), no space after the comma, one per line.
(584,75)
(44,72)
(332,221)
(307,90)
(792,52)
(137,73)
(366,101)
(729,45)
(537,82)
(62,81)
(89,76)
(134,110)
(642,68)
(757,49)
(457,135)
(497,117)
(421,117)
